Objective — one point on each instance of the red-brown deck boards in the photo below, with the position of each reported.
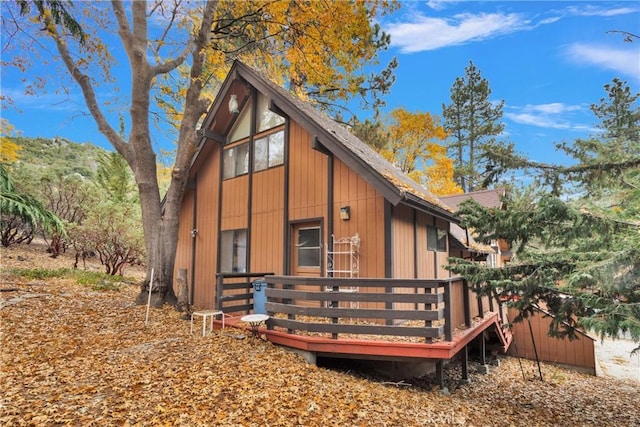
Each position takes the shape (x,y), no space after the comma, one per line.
(378,348)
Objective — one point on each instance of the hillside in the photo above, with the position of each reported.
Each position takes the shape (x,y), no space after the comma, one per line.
(56,156)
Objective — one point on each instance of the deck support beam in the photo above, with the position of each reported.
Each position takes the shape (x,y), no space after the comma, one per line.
(465,363)
(440,374)
(484,368)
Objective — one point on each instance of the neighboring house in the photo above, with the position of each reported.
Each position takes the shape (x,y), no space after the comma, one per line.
(276,185)
(499,253)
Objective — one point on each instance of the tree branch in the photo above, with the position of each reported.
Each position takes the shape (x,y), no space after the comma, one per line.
(87,89)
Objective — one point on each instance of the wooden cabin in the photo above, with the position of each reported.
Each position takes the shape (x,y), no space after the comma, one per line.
(282,193)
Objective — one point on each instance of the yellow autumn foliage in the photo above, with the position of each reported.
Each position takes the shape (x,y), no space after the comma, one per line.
(9,150)
(297,44)
(415,147)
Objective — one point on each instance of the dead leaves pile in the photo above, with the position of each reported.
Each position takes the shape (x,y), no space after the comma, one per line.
(72,356)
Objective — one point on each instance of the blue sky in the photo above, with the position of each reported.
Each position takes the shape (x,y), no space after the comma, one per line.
(548,60)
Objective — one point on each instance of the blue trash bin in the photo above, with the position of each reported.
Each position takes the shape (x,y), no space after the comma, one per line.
(259,297)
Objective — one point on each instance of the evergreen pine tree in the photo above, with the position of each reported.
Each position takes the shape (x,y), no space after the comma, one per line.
(472,122)
(576,249)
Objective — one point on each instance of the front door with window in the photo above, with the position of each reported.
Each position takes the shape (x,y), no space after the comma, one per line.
(306,250)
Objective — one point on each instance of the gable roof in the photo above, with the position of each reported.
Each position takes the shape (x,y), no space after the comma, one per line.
(391,182)
(487,198)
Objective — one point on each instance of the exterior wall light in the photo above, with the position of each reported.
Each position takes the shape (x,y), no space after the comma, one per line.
(345,213)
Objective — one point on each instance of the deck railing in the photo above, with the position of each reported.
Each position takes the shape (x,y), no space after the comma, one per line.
(234,291)
(430,309)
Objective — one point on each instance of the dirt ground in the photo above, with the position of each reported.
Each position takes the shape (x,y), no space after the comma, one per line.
(71,355)
(615,359)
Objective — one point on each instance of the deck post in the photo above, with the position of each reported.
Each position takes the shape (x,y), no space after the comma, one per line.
(219,287)
(484,368)
(465,363)
(439,374)
(465,302)
(448,327)
(288,301)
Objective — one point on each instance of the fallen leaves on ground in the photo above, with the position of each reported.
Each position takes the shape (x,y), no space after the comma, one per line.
(73,356)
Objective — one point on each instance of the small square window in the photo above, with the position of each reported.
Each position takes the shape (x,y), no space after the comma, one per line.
(268,151)
(236,161)
(436,239)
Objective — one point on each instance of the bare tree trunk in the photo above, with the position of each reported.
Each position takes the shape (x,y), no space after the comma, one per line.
(183,294)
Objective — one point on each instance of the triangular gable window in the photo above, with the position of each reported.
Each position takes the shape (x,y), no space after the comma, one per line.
(242,127)
(266,118)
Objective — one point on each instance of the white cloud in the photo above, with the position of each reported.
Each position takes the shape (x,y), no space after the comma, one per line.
(550,20)
(440,4)
(624,61)
(41,101)
(555,115)
(424,33)
(591,10)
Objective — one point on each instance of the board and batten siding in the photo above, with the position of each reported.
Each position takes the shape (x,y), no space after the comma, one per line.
(578,353)
(267,221)
(234,203)
(207,237)
(183,251)
(308,177)
(201,281)
(366,218)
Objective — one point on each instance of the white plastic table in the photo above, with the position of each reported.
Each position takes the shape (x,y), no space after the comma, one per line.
(255,320)
(207,314)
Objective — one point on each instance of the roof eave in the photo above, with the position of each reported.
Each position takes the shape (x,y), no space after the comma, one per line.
(424,206)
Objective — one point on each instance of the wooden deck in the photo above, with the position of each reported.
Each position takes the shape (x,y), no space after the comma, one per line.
(380,349)
(383,319)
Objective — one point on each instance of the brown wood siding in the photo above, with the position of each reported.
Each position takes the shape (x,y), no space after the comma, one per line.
(579,353)
(367,218)
(442,256)
(267,221)
(235,196)
(403,250)
(457,309)
(308,178)
(403,244)
(183,252)
(426,264)
(207,237)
